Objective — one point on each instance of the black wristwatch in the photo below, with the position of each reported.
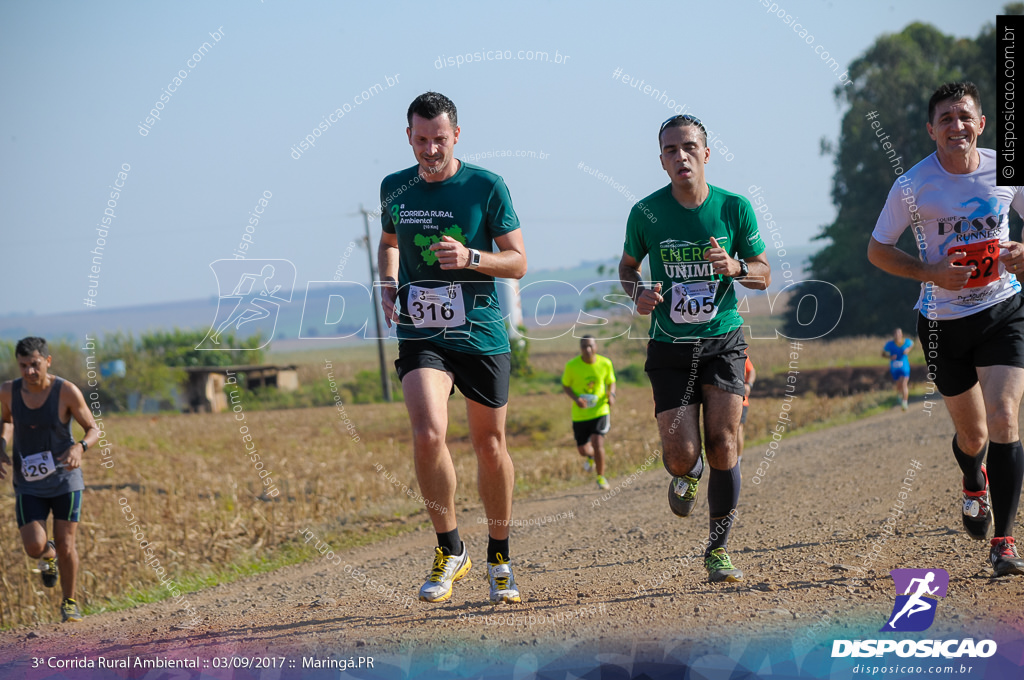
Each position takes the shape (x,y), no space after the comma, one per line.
(85,446)
(744,270)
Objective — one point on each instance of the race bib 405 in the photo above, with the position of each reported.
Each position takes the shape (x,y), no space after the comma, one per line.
(694,302)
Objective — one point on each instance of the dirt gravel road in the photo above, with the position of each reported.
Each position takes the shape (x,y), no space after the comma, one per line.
(611,577)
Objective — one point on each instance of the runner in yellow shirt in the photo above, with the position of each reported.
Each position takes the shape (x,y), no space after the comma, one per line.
(589,380)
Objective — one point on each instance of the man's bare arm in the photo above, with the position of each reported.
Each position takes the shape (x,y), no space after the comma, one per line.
(508,263)
(944,274)
(387,270)
(646,299)
(6,427)
(72,396)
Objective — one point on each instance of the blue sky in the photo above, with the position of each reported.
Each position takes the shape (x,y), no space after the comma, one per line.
(80,78)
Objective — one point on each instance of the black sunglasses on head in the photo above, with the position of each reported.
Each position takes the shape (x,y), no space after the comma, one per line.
(688,118)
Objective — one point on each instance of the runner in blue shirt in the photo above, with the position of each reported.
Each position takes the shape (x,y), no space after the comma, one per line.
(897,351)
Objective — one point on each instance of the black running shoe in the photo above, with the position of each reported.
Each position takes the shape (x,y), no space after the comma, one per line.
(1004,557)
(48,567)
(976,511)
(682,494)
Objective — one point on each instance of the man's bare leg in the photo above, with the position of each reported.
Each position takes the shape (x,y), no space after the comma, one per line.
(1002,388)
(426,391)
(722,411)
(597,442)
(495,472)
(67,555)
(496,480)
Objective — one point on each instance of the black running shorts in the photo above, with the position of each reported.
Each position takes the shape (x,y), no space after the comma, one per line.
(482,378)
(954,348)
(67,507)
(582,429)
(678,369)
(743,418)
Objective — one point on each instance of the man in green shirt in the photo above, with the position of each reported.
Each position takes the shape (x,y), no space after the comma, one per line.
(699,239)
(439,220)
(589,380)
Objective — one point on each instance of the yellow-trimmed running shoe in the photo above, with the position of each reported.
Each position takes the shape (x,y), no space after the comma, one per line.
(48,567)
(602,483)
(447,570)
(69,611)
(503,584)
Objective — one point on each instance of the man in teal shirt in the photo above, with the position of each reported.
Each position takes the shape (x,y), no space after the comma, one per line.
(699,239)
(439,219)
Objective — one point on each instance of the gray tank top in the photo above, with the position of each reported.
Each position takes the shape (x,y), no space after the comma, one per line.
(37,430)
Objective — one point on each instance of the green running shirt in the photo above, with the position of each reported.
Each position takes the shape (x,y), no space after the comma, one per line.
(698,304)
(473,207)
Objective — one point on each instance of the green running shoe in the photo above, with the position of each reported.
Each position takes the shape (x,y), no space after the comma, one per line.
(720,567)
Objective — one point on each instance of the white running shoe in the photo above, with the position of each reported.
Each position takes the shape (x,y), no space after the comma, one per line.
(447,570)
(503,584)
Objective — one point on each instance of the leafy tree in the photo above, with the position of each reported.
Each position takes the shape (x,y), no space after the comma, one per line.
(895,78)
(146,373)
(520,359)
(178,348)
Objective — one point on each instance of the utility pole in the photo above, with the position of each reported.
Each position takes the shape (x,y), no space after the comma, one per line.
(375,303)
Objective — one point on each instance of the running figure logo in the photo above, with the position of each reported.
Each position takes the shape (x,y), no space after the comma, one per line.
(253,304)
(914,610)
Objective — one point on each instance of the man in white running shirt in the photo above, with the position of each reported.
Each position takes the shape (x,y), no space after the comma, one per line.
(971,321)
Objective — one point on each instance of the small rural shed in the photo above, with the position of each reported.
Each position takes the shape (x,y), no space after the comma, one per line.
(205,389)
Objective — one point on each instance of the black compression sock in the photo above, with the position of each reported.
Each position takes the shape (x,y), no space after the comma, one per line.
(723,497)
(1005,472)
(698,468)
(971,467)
(450,543)
(495,546)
